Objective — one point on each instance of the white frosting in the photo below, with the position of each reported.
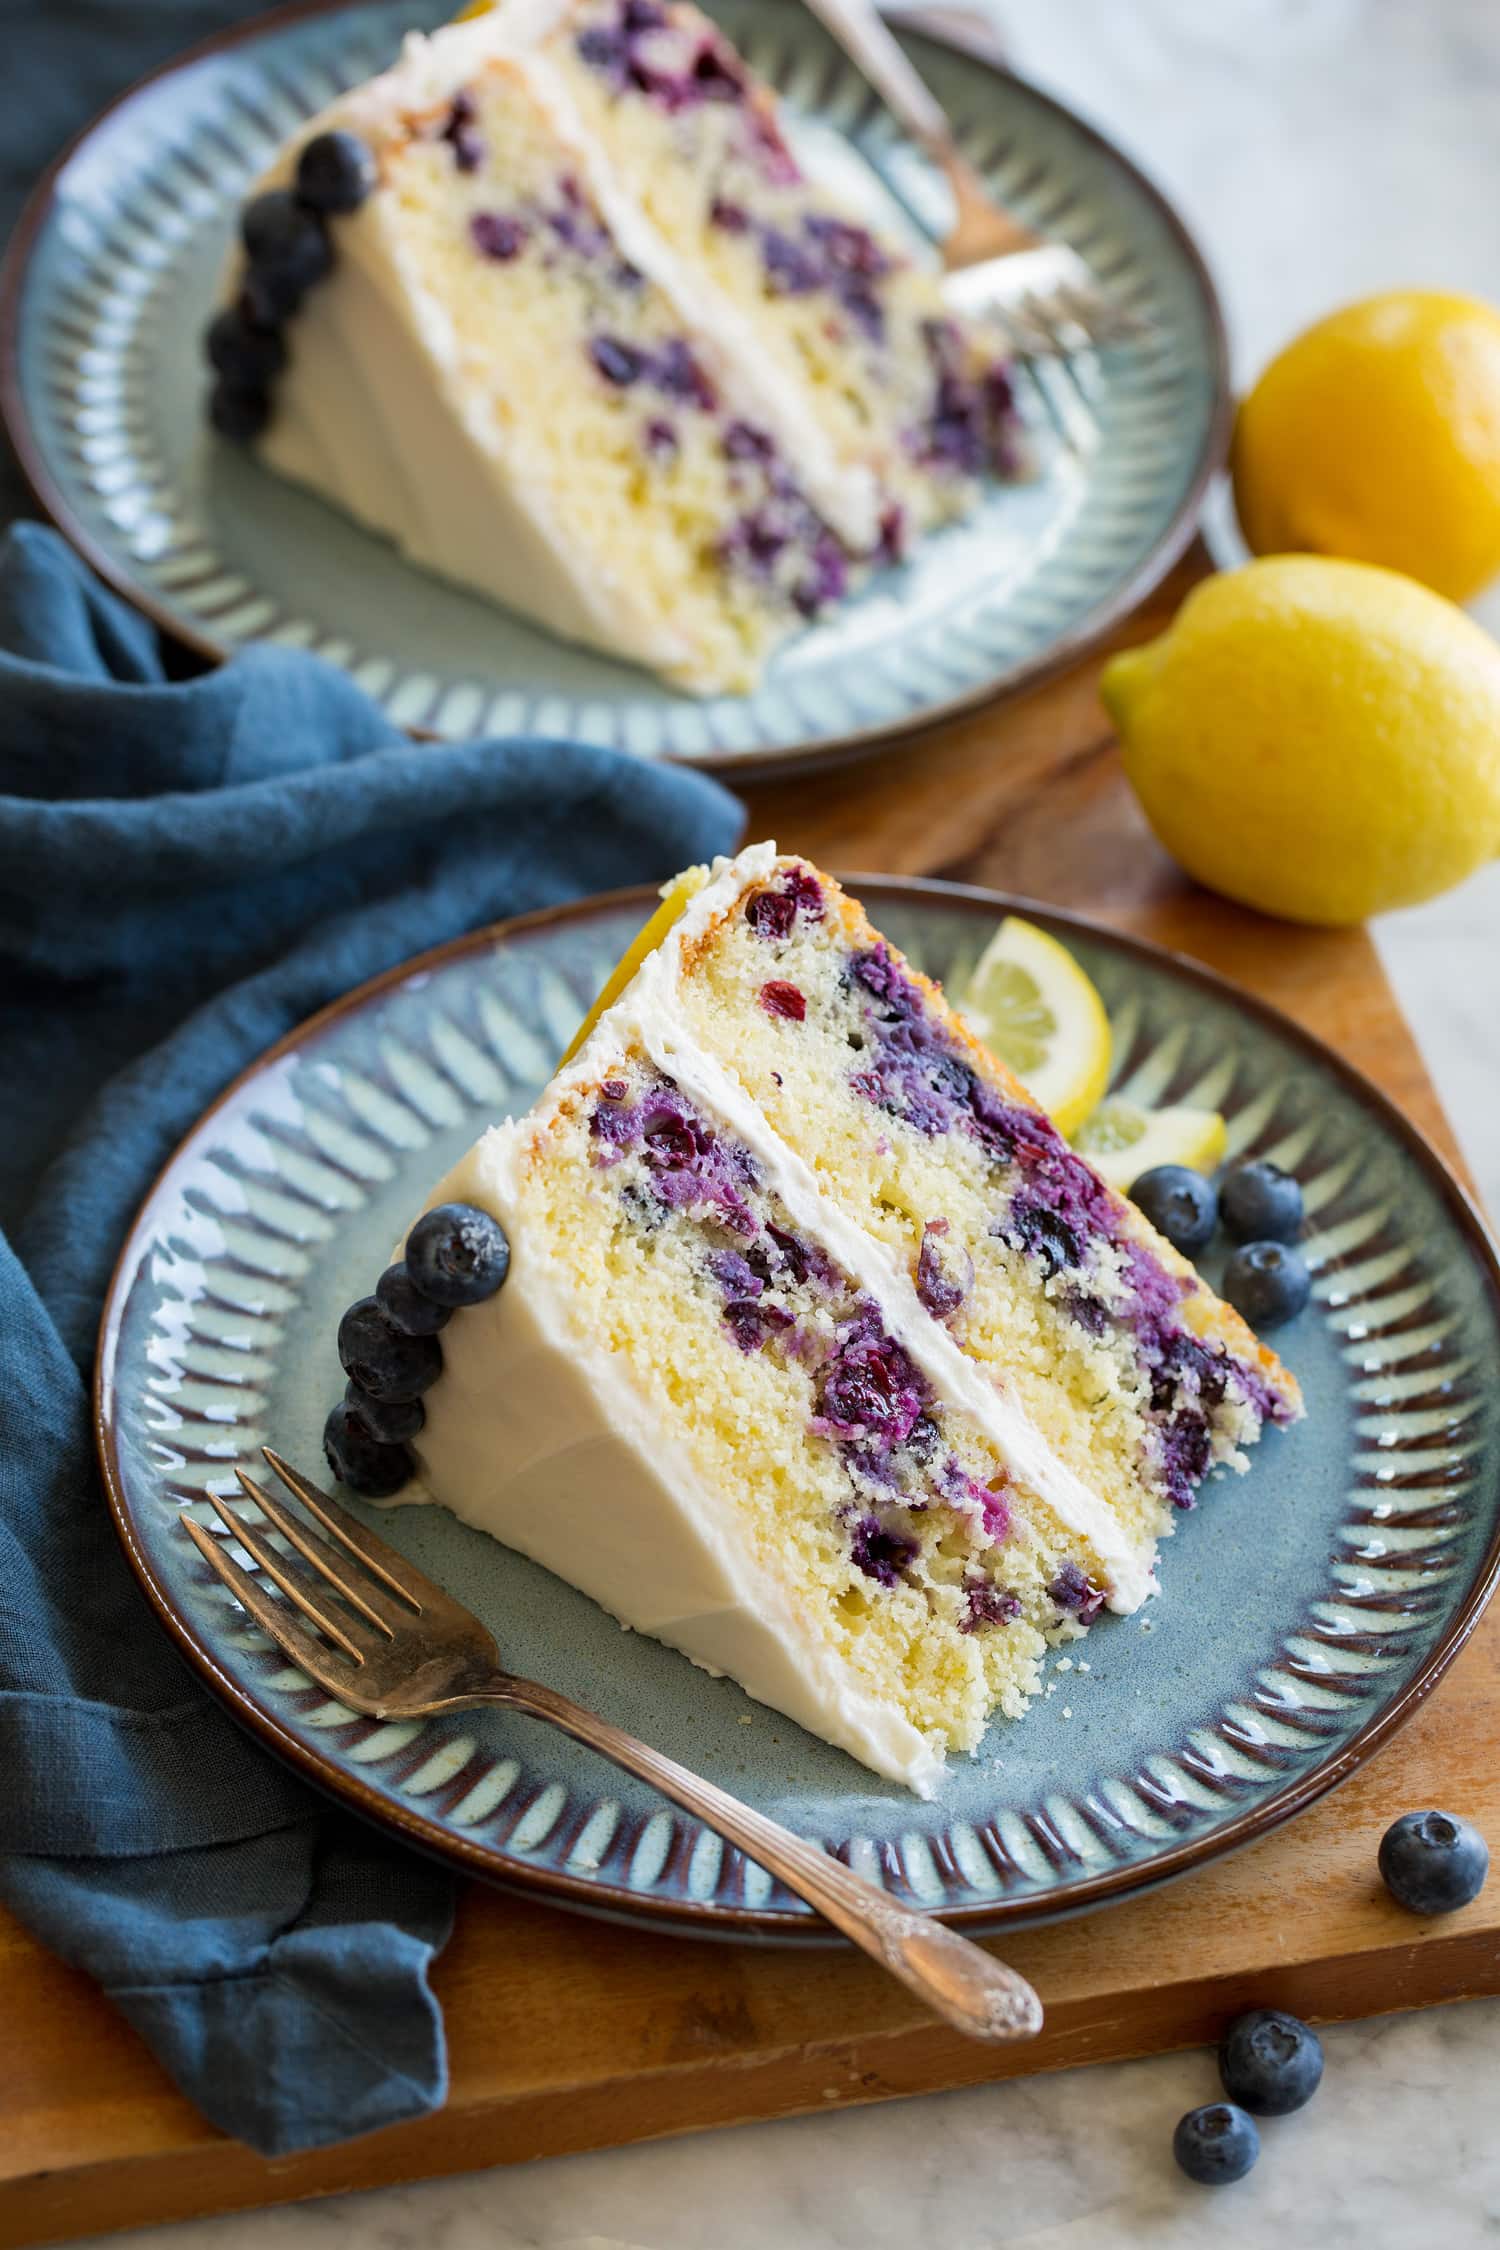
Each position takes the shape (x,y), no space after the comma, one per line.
(535,1434)
(371,412)
(374,412)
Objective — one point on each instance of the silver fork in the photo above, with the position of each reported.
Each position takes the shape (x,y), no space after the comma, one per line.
(403,1649)
(1040,293)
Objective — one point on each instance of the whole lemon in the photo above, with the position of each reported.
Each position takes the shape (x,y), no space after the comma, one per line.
(1376,435)
(1318,739)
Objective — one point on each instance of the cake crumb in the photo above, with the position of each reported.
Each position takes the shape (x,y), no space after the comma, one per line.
(746,1720)
(1084,1667)
(1065,1664)
(1067,1710)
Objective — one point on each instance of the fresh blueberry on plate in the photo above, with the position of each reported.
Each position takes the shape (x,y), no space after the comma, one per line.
(247,355)
(287,246)
(1261,1203)
(1267,1283)
(1216,2144)
(1270,2063)
(238,411)
(1180,1203)
(457,1255)
(383,1362)
(391,1420)
(413,1313)
(335,172)
(1433,1862)
(360,1460)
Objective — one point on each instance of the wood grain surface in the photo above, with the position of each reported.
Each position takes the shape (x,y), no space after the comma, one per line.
(567,2034)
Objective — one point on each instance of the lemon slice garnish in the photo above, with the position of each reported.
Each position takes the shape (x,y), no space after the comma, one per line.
(1032,1005)
(674,902)
(1121,1140)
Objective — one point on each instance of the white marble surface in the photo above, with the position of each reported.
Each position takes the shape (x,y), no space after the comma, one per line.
(1322,148)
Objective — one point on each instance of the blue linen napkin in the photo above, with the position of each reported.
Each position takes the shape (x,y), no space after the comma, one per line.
(186,871)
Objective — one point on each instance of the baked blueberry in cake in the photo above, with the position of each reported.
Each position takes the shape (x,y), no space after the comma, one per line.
(819,1354)
(553,304)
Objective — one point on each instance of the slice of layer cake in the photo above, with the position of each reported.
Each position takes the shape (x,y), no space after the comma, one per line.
(821,1357)
(552,304)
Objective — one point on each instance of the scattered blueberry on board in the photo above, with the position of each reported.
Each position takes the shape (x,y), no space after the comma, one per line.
(389,1349)
(1433,1862)
(1180,1203)
(1270,2063)
(1216,2144)
(1267,1283)
(1261,1203)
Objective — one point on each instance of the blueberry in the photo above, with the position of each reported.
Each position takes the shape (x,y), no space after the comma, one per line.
(392,1421)
(1261,1203)
(238,412)
(360,1460)
(412,1312)
(1270,2063)
(457,1255)
(497,236)
(386,1364)
(1268,1283)
(287,245)
(1180,1204)
(264,300)
(620,364)
(335,172)
(1216,2144)
(1433,1862)
(249,356)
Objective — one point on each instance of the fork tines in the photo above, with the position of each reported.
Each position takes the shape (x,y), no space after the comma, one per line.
(380,1588)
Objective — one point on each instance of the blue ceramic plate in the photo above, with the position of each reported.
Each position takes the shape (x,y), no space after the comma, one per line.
(1306,1608)
(113,270)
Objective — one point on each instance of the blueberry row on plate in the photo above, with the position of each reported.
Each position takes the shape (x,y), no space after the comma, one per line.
(455,1255)
(284,233)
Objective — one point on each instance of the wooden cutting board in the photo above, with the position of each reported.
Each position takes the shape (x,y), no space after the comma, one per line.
(567,2034)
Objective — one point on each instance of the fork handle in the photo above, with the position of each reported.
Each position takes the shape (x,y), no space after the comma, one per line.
(965,1986)
(870,43)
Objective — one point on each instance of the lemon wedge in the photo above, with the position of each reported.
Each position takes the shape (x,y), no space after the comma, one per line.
(674,901)
(1121,1140)
(1032,1005)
